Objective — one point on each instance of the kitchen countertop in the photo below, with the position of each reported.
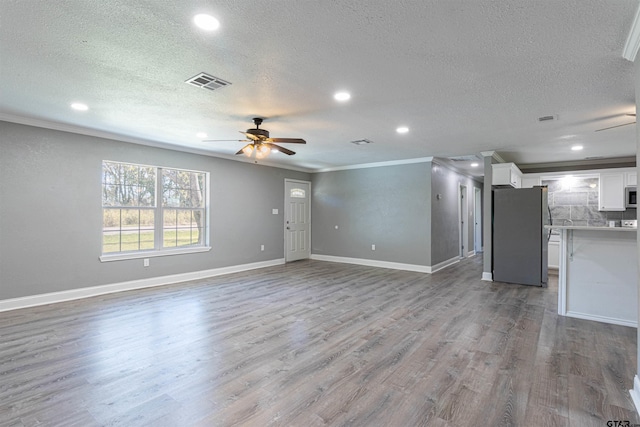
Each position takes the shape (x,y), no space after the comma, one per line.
(584,227)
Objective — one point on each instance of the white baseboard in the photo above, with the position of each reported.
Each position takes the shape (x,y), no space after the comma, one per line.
(471,253)
(603,319)
(73,294)
(635,393)
(487,276)
(386,264)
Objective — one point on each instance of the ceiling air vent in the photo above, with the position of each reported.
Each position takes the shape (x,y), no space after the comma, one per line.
(547,118)
(362,142)
(207,81)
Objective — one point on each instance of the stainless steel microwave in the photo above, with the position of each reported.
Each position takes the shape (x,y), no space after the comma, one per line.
(631,197)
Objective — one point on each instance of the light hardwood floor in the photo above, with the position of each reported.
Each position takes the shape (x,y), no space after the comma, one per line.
(314,343)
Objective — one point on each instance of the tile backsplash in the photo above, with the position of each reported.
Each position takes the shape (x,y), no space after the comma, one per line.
(576,199)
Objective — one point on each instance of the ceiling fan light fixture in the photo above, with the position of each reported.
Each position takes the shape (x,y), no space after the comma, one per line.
(262,151)
(248,150)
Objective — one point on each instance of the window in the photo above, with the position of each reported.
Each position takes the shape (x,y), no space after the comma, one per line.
(149,208)
(297,193)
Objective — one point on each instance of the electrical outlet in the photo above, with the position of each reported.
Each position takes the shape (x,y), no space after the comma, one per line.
(262,247)
(274,211)
(145,262)
(373,247)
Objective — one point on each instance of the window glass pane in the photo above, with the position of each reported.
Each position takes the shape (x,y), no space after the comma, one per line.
(111,230)
(297,193)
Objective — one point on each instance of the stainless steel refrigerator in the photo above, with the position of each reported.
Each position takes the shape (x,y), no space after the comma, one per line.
(520,241)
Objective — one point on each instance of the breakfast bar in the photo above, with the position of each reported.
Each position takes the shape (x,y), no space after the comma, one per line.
(598,274)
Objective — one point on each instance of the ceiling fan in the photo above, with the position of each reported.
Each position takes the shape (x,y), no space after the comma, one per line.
(617,126)
(259,142)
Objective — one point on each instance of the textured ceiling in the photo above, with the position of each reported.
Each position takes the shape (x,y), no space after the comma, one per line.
(464,76)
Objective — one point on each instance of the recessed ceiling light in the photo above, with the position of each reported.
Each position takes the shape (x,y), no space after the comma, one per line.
(342,96)
(402,129)
(201,135)
(78,106)
(206,22)
(577,147)
(474,165)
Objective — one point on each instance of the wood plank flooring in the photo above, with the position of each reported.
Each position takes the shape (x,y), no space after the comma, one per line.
(314,343)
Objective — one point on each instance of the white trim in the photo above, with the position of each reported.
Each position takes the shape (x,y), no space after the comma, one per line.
(373,263)
(494,155)
(562,273)
(378,164)
(635,393)
(603,319)
(471,253)
(120,256)
(73,294)
(387,264)
(487,276)
(444,264)
(630,49)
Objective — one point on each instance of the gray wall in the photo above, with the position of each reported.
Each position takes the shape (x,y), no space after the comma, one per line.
(444,212)
(50,211)
(386,206)
(394,207)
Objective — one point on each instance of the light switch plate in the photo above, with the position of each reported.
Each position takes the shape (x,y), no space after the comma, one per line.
(274,211)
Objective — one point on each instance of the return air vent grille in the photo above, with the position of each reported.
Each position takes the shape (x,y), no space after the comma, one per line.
(362,142)
(207,81)
(547,118)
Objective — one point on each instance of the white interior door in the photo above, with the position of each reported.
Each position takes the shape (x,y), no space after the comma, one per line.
(297,230)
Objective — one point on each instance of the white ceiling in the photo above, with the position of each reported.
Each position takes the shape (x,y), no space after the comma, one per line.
(464,76)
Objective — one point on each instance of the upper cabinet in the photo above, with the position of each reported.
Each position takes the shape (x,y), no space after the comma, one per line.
(506,174)
(530,181)
(611,194)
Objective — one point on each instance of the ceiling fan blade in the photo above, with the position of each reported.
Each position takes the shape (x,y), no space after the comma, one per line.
(617,126)
(280,149)
(250,136)
(225,140)
(240,150)
(288,140)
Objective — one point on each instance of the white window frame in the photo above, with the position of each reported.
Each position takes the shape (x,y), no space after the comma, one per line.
(158,250)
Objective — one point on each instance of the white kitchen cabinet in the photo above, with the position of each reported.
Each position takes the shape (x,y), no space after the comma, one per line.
(506,174)
(530,182)
(631,179)
(611,194)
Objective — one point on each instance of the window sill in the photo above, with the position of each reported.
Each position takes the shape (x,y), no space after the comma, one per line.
(153,254)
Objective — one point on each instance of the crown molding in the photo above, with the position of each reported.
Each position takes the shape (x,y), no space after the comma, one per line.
(378,164)
(630,50)
(494,155)
(79,130)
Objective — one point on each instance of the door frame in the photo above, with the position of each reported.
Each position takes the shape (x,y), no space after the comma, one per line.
(463,215)
(477,219)
(284,216)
